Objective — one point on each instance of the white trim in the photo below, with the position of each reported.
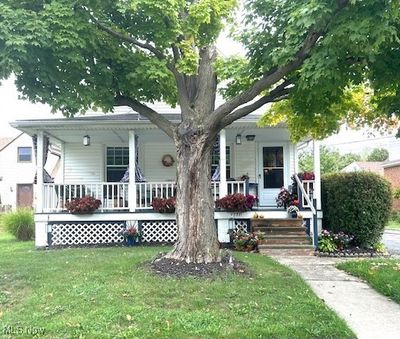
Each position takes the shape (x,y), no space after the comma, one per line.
(394,163)
(317,173)
(222,164)
(286,164)
(39,171)
(132,172)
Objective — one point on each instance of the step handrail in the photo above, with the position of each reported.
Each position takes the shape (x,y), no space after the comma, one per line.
(306,196)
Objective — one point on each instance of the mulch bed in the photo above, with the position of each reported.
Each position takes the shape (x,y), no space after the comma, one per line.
(179,269)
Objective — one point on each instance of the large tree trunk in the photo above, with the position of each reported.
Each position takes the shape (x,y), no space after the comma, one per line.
(197,236)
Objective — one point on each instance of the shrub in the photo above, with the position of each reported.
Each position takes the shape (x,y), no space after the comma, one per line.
(237,202)
(164,205)
(329,242)
(20,224)
(358,204)
(83,205)
(396,193)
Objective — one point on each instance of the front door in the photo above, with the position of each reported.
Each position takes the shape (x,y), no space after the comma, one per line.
(24,195)
(271,173)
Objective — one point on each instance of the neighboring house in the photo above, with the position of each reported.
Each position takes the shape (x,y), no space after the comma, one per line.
(369,166)
(17,171)
(96,152)
(392,172)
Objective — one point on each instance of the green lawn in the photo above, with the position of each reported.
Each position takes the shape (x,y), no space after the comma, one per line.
(393,225)
(382,274)
(104,293)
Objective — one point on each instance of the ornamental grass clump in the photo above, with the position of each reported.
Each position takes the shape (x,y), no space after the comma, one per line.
(20,224)
(236,202)
(164,205)
(85,205)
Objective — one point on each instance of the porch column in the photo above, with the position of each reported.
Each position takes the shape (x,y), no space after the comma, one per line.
(39,171)
(317,173)
(132,172)
(223,190)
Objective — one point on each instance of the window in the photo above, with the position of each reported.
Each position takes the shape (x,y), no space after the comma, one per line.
(24,154)
(273,167)
(215,161)
(117,163)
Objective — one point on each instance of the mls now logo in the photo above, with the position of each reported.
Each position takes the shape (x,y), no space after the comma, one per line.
(23,330)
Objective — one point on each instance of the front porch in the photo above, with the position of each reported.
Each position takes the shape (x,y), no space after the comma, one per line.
(95,154)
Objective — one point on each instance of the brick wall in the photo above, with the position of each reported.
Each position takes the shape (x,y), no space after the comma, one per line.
(396,205)
(392,174)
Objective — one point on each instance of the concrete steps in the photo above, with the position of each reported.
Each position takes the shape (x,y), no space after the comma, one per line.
(283,237)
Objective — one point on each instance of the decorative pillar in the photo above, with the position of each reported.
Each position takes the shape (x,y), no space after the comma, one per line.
(223,190)
(132,172)
(39,171)
(317,173)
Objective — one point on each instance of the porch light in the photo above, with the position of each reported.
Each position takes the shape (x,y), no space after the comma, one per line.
(238,139)
(250,137)
(86,140)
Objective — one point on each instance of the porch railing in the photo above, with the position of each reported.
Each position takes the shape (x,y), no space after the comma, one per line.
(114,196)
(308,186)
(305,189)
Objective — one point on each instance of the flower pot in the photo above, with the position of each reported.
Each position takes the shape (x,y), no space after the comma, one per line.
(130,241)
(293,214)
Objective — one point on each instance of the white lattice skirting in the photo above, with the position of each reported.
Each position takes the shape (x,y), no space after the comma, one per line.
(241,225)
(86,233)
(159,231)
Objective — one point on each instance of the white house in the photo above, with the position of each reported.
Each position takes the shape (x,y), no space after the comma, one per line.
(17,171)
(96,152)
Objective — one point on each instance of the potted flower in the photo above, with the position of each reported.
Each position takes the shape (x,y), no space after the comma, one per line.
(131,236)
(85,205)
(292,211)
(237,202)
(244,241)
(164,205)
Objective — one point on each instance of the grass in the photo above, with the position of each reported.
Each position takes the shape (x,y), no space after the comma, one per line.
(106,292)
(381,274)
(393,225)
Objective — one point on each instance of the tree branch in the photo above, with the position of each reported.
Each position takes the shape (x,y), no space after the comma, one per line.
(277,94)
(273,76)
(127,38)
(154,117)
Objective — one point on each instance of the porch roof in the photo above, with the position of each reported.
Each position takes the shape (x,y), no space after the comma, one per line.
(116,127)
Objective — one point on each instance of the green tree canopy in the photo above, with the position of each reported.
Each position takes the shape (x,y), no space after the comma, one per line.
(331,160)
(378,154)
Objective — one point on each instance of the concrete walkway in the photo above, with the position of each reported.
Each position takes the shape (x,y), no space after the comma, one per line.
(391,239)
(368,313)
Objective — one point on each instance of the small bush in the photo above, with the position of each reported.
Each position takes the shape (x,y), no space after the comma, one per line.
(358,204)
(20,224)
(396,193)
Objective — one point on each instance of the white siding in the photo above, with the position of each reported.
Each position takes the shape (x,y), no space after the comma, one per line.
(244,160)
(13,172)
(151,154)
(83,164)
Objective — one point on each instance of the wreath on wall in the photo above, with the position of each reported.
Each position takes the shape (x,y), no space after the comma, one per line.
(167,160)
